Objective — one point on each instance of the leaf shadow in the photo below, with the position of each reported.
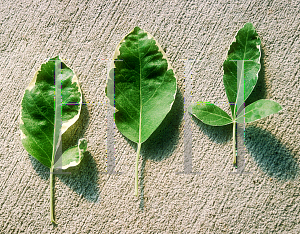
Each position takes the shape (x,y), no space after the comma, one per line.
(162,142)
(84,177)
(259,91)
(272,156)
(218,134)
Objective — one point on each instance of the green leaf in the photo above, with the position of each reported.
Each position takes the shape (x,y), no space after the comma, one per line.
(210,114)
(45,116)
(258,110)
(241,70)
(72,156)
(144,85)
(246,46)
(38,110)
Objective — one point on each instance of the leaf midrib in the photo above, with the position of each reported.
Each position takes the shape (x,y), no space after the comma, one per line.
(217,115)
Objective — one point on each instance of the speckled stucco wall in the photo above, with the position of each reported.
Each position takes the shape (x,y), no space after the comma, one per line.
(88,201)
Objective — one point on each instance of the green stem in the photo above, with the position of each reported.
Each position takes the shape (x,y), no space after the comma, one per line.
(137,169)
(233,144)
(51,196)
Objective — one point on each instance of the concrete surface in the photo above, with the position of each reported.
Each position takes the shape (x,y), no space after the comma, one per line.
(87,201)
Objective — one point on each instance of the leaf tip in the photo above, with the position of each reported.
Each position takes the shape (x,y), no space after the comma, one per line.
(249,24)
(55,58)
(137,28)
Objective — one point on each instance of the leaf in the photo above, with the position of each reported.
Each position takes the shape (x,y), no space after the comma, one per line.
(241,70)
(72,156)
(210,114)
(246,46)
(258,110)
(37,110)
(144,85)
(51,104)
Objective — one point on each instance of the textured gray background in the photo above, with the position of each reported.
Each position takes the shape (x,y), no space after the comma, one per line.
(82,32)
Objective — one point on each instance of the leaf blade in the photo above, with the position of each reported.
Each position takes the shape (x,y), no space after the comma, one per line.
(38,110)
(72,156)
(145,85)
(210,114)
(246,46)
(258,110)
